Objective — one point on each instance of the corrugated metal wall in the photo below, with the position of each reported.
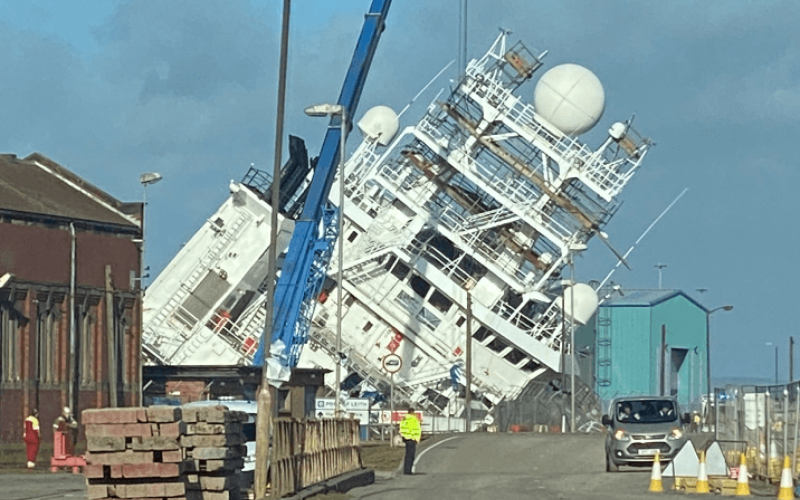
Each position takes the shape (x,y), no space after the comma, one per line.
(628,349)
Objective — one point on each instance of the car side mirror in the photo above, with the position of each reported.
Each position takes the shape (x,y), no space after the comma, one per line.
(686,418)
(606,420)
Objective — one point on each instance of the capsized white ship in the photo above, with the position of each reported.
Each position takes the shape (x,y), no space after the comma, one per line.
(487,195)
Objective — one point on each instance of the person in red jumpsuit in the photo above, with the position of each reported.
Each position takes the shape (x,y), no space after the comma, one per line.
(32,437)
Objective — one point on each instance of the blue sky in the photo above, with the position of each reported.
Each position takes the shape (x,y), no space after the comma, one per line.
(187,88)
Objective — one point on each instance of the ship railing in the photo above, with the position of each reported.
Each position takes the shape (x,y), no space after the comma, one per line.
(513,316)
(521,193)
(447,266)
(513,188)
(548,329)
(607,176)
(190,279)
(455,224)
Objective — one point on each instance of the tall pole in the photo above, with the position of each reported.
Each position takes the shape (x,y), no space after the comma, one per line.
(572,343)
(663,390)
(462,37)
(468,398)
(264,399)
(791,359)
(391,412)
(659,266)
(776,365)
(339,269)
(708,365)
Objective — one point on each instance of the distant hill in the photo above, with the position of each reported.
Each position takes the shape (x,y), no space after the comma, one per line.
(723,381)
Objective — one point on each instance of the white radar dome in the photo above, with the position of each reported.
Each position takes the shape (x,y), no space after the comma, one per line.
(586,302)
(570,97)
(380,122)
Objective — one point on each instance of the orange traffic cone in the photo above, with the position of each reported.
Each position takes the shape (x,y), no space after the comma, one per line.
(742,484)
(787,486)
(655,477)
(702,475)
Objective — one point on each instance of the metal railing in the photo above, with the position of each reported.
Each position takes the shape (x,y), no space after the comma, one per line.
(765,419)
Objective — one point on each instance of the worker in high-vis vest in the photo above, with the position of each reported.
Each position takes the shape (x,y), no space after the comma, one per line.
(411,432)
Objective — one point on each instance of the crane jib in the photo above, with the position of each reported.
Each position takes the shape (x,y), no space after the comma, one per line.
(310,248)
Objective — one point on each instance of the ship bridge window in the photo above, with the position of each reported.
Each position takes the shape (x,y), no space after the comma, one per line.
(352,236)
(497,345)
(481,333)
(420,286)
(400,271)
(440,302)
(515,356)
(367,326)
(461,320)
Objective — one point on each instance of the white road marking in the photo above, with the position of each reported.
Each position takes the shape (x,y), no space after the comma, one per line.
(414,467)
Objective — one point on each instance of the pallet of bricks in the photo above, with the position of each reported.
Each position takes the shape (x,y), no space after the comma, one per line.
(164,452)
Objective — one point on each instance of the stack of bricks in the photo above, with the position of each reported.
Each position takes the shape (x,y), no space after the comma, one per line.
(134,453)
(214,448)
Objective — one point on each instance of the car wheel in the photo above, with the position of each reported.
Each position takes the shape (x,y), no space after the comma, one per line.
(610,465)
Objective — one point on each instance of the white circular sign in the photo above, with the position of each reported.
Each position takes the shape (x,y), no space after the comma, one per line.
(392,363)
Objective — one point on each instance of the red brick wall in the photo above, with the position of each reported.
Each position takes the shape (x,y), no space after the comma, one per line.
(18,397)
(191,390)
(34,253)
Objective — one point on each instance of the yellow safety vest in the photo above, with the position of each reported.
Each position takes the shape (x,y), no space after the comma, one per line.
(410,428)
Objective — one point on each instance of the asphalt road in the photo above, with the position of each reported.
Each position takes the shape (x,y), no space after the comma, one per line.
(42,485)
(512,466)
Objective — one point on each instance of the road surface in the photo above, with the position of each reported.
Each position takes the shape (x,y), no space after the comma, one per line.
(513,466)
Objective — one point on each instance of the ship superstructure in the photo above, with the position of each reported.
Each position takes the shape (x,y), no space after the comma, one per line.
(483,201)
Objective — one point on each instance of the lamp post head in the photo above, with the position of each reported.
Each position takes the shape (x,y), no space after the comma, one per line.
(149,178)
(325,109)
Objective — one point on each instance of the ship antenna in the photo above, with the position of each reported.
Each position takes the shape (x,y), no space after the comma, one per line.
(640,239)
(425,88)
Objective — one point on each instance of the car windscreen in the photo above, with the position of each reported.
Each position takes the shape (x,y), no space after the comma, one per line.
(651,411)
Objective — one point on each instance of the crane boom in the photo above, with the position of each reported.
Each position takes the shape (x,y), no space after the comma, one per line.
(316,231)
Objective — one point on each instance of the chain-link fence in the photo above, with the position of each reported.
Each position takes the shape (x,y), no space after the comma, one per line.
(761,421)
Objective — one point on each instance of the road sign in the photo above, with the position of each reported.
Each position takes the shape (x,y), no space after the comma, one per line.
(392,363)
(358,408)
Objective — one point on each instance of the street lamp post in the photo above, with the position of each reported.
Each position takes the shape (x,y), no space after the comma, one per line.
(337,110)
(145,180)
(776,360)
(708,353)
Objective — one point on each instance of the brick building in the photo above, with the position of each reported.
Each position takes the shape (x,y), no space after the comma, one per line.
(70,305)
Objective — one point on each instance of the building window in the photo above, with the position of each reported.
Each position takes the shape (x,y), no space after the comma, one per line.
(10,348)
(47,345)
(87,349)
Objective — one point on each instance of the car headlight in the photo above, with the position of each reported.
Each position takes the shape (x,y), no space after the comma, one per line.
(621,435)
(675,435)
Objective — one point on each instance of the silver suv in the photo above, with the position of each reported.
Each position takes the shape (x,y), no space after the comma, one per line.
(641,426)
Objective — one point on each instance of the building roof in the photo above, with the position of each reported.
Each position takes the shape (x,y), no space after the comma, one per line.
(646,298)
(37,187)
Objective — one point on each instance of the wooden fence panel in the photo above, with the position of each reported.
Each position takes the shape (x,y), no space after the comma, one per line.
(308,452)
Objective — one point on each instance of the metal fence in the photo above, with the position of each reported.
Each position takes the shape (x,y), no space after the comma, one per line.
(311,451)
(760,421)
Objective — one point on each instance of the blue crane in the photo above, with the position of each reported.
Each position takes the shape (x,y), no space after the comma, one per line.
(316,229)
